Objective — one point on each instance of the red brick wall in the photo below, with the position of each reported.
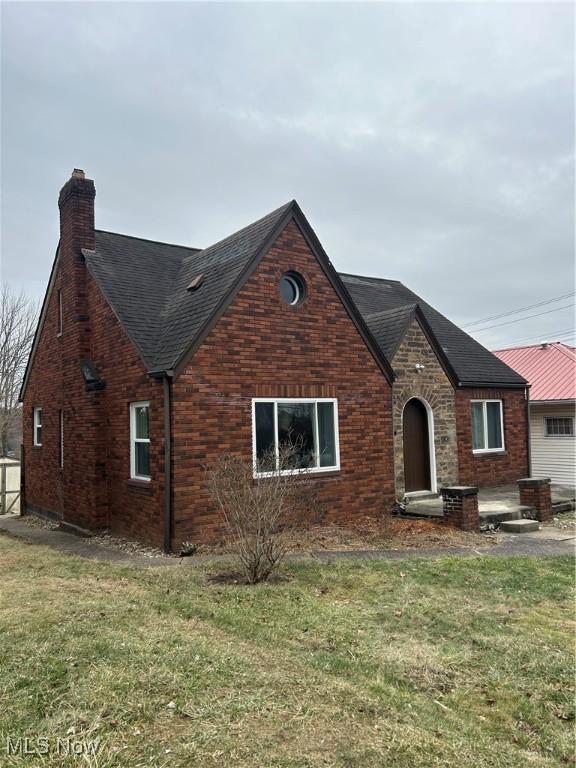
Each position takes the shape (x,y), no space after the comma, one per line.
(492,468)
(93,489)
(263,347)
(135,507)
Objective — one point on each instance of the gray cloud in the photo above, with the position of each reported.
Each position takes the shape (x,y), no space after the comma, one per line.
(430,143)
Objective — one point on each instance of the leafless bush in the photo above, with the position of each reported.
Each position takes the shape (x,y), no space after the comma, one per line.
(260,511)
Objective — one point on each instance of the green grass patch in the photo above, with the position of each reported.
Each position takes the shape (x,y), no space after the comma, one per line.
(352,663)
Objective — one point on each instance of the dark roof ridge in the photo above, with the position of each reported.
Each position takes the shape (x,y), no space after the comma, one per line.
(402,307)
(368,277)
(149,240)
(281,209)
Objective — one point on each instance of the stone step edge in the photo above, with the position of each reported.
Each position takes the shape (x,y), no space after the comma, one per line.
(520,526)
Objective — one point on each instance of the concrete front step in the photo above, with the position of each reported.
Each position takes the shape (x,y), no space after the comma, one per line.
(519,526)
(499,517)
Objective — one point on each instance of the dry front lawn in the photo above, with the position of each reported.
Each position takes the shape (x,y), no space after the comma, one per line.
(353,663)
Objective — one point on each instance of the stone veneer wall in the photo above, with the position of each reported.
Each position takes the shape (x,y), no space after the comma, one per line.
(433,385)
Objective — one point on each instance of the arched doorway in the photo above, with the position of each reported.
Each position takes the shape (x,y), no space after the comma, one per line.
(416,431)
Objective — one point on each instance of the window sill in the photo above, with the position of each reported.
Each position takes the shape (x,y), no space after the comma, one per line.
(141,485)
(304,476)
(490,452)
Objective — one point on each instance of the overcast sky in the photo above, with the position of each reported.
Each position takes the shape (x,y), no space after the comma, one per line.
(429,143)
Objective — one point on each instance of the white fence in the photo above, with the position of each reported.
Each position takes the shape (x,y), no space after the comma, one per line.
(9,486)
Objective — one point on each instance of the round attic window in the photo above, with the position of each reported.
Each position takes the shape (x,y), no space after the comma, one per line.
(292,288)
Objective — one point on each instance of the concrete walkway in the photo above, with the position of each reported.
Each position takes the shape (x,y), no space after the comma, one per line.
(547,542)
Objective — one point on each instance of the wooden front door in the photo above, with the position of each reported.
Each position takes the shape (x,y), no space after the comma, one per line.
(416,447)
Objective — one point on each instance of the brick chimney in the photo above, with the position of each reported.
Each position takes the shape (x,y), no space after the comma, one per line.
(84,500)
(76,203)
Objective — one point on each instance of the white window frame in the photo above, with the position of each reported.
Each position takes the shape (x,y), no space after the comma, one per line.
(61,425)
(60,314)
(303,401)
(134,439)
(502,448)
(37,424)
(551,436)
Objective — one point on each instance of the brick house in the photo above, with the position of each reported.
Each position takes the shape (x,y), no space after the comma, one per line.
(150,360)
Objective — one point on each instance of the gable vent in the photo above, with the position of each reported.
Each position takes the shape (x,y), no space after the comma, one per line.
(196,283)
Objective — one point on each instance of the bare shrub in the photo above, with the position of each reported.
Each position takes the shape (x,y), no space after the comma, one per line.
(260,511)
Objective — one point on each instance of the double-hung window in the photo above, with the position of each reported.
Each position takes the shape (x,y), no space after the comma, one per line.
(487,426)
(37,428)
(295,435)
(559,426)
(139,441)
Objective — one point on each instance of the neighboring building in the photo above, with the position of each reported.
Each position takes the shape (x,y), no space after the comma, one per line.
(550,368)
(150,360)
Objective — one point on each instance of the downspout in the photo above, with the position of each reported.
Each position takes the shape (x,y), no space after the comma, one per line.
(167,463)
(528,453)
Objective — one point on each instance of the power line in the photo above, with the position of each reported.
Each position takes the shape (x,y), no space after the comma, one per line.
(529,340)
(521,309)
(553,336)
(521,319)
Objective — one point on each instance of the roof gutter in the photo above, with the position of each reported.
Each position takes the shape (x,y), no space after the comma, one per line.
(569,401)
(490,385)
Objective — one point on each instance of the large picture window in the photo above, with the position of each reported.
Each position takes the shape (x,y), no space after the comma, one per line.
(139,441)
(309,427)
(487,426)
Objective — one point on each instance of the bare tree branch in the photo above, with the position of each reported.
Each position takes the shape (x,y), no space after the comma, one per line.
(18,316)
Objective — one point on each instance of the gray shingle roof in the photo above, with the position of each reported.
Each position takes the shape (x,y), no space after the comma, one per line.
(388,327)
(137,277)
(222,264)
(472,363)
(146,284)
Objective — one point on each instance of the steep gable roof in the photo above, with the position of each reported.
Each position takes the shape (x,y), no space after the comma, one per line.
(137,277)
(388,326)
(472,364)
(550,369)
(167,297)
(222,265)
(147,282)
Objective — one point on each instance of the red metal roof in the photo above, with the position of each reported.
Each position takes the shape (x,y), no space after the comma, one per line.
(550,369)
